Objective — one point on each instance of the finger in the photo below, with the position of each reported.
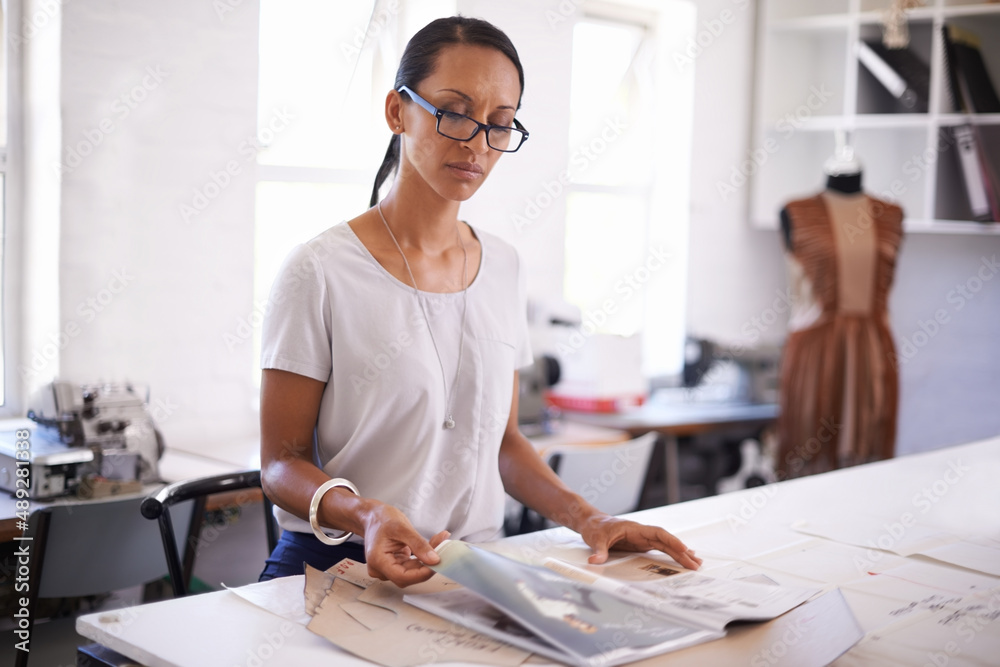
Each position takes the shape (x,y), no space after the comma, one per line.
(688,560)
(409,572)
(423,550)
(436,540)
(600,547)
(676,549)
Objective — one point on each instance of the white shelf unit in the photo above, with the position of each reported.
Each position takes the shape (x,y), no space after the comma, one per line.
(809,83)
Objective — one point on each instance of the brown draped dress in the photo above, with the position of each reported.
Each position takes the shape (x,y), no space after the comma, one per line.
(839,381)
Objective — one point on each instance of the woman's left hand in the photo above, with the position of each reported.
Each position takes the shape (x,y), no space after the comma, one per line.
(604,532)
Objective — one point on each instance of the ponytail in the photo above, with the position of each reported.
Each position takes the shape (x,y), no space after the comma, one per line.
(389,164)
(418,62)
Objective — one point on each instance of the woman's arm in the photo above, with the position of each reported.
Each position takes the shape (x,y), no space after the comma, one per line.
(531,482)
(289,408)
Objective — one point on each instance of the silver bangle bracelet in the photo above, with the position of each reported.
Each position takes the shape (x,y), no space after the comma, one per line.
(314,510)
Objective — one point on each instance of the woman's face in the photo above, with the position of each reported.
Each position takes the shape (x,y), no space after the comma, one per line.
(475,81)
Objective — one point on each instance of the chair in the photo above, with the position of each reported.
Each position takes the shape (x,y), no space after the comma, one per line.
(88,547)
(610,477)
(157,507)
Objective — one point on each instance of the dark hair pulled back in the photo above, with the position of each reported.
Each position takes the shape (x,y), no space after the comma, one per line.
(420,57)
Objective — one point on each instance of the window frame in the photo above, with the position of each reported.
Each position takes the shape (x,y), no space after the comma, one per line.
(659,367)
(12,398)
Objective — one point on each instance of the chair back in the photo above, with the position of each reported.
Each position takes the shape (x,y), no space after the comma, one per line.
(157,507)
(610,477)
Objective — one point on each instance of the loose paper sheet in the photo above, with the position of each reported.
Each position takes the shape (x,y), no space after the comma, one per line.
(884,599)
(282,596)
(733,540)
(811,635)
(963,633)
(823,561)
(904,536)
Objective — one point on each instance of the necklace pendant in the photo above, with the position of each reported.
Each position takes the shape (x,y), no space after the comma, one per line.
(449,423)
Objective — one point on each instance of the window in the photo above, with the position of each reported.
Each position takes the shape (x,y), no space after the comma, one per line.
(324,70)
(627,217)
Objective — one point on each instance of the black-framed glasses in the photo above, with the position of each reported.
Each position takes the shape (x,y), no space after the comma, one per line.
(462,128)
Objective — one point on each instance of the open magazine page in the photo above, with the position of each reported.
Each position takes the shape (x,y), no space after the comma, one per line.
(474,612)
(686,594)
(570,620)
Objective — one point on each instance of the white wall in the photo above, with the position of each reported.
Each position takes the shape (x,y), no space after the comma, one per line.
(165,92)
(950,389)
(735,270)
(950,375)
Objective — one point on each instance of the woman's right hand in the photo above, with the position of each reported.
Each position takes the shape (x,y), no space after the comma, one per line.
(395,551)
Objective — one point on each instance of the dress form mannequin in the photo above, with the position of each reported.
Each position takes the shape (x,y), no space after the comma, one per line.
(839,382)
(843,174)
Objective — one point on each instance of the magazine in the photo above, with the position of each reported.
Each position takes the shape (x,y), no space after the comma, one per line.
(580,616)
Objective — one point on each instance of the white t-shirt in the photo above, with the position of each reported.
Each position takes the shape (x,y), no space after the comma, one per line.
(336,315)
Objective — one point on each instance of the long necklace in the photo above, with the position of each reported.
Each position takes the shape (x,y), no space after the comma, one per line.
(449,422)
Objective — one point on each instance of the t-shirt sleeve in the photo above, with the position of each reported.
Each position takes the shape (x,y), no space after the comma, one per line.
(522,347)
(296,333)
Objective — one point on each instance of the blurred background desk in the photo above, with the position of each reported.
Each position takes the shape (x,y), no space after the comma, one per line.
(718,426)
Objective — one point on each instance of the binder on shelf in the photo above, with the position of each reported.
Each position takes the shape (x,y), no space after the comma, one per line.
(982,196)
(989,176)
(900,71)
(972,89)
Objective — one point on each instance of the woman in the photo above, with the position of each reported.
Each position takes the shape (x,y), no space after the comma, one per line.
(396,338)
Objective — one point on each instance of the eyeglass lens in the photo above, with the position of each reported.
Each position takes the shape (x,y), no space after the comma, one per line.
(462,128)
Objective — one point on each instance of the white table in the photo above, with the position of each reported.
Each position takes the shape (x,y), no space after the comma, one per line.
(222,629)
(673,420)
